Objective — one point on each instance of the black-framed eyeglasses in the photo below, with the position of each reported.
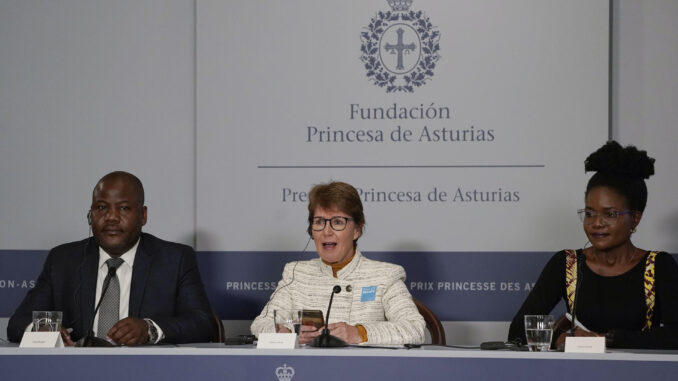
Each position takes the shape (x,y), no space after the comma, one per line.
(337,223)
(609,217)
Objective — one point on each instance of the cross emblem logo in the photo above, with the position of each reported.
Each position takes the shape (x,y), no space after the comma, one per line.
(400,48)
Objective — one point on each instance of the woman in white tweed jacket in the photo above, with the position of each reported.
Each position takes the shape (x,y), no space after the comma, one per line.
(374,305)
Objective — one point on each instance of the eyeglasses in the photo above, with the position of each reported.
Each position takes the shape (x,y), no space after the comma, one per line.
(337,223)
(587,216)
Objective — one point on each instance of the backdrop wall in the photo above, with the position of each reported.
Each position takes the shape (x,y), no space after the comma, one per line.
(89,87)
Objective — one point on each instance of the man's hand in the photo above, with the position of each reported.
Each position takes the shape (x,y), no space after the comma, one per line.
(129,331)
(66,337)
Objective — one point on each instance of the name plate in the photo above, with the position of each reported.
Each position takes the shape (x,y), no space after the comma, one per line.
(277,341)
(585,344)
(41,340)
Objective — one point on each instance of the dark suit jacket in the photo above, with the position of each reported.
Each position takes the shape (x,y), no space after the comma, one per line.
(166,287)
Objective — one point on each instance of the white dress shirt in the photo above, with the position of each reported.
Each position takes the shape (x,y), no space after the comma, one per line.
(124,273)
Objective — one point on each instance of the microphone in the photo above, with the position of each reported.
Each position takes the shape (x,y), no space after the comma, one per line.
(580,261)
(288,283)
(325,340)
(512,345)
(89,340)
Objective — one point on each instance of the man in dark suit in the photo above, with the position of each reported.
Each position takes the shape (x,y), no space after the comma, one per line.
(159,293)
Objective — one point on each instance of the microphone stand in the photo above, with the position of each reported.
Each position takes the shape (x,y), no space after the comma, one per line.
(89,340)
(325,340)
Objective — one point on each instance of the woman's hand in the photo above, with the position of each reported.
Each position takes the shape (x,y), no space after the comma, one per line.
(560,341)
(308,333)
(582,333)
(348,333)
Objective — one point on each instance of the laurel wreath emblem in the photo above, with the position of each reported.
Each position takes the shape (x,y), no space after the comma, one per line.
(430,47)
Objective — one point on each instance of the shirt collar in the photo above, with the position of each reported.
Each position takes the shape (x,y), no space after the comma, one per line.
(127,257)
(346,270)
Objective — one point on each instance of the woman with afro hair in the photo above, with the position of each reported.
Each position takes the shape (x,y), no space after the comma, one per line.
(617,290)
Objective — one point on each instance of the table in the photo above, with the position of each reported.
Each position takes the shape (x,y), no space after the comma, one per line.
(218,362)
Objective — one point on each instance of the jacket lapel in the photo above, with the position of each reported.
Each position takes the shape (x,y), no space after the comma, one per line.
(88,285)
(142,265)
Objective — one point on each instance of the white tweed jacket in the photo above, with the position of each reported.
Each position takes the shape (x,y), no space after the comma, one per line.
(373,294)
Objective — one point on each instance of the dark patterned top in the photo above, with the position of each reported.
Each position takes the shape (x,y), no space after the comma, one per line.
(614,303)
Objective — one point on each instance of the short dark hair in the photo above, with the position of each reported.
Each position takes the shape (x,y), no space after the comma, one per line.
(623,169)
(122,175)
(336,195)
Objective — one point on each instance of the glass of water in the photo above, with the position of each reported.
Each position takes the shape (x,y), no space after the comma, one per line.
(47,321)
(287,321)
(538,331)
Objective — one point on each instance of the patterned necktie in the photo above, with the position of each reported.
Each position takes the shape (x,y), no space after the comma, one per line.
(109,311)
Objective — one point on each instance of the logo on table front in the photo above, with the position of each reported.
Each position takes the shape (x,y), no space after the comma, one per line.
(400,48)
(284,373)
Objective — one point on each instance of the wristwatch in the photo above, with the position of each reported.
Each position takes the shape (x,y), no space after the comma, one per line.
(152,332)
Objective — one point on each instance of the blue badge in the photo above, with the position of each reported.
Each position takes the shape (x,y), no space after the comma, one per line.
(368,294)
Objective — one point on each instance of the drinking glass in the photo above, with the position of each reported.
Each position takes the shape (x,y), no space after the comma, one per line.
(47,321)
(538,332)
(287,320)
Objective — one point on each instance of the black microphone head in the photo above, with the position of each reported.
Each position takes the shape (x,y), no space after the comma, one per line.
(336,289)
